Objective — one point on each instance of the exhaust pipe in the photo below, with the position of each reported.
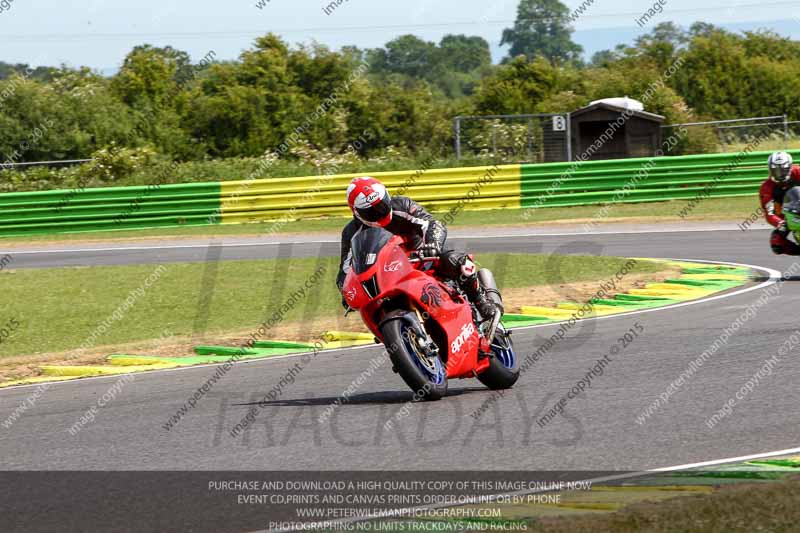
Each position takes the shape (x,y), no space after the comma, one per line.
(489,284)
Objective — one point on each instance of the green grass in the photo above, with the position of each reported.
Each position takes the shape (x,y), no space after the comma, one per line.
(58,309)
(793,143)
(735,508)
(737,208)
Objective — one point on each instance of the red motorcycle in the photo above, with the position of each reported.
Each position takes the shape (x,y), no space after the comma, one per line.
(431,331)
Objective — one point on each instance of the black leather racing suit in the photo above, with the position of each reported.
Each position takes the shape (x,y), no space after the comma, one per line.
(411,221)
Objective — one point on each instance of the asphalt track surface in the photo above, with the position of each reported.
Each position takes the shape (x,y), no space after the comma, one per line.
(598,430)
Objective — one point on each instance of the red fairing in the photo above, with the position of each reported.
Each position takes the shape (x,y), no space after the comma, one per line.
(398,277)
(771,196)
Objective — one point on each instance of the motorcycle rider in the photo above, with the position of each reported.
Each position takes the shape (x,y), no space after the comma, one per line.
(373,206)
(783,175)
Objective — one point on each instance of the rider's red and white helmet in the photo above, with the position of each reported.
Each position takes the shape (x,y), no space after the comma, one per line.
(370,202)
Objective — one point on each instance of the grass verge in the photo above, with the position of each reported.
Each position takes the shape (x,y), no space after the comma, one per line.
(60,310)
(737,208)
(741,507)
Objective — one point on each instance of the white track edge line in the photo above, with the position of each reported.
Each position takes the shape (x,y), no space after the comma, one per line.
(615,477)
(251,244)
(774,277)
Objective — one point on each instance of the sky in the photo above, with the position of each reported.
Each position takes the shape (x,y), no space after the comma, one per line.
(98,33)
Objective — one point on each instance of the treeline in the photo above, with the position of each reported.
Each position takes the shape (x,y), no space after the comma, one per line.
(162,106)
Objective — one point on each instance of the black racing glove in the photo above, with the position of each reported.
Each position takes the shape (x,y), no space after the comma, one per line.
(429,250)
(783,228)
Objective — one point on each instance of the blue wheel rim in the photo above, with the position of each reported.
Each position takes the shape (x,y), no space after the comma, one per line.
(504,352)
(436,374)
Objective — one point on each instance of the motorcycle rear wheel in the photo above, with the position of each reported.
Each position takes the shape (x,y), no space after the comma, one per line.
(503,369)
(425,375)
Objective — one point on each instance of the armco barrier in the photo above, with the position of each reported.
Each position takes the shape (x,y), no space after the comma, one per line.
(107,209)
(506,186)
(237,202)
(643,179)
(437,189)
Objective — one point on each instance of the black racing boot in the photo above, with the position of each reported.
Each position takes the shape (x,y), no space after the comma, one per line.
(781,243)
(477,295)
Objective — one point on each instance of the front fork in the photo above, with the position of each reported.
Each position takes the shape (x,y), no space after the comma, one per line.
(421,338)
(424,341)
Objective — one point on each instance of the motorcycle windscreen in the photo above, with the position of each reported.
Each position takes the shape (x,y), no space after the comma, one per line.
(365,246)
(791,208)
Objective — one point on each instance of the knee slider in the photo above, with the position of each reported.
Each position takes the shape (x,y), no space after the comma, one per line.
(468,269)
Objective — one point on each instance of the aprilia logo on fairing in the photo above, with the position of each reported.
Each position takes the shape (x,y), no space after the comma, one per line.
(466,332)
(394,266)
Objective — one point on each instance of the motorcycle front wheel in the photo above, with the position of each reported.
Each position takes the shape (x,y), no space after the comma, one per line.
(425,374)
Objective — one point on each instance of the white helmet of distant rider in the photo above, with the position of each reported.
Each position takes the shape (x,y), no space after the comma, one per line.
(780,167)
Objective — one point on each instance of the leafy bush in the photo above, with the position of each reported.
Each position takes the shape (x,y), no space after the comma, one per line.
(115,164)
(218,119)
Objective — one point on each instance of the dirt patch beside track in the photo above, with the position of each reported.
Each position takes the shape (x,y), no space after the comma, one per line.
(24,366)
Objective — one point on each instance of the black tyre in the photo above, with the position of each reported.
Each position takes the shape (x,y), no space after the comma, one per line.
(503,369)
(426,376)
